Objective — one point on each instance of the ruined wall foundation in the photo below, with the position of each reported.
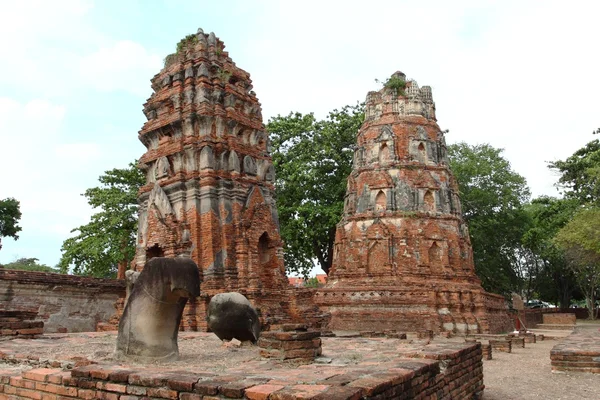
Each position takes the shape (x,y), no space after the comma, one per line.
(65,303)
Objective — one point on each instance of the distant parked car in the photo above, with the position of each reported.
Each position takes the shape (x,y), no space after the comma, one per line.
(534,304)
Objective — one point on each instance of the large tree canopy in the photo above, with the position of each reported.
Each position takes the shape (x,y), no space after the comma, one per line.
(313,159)
(29,264)
(107,242)
(554,281)
(492,197)
(580,173)
(579,240)
(10,214)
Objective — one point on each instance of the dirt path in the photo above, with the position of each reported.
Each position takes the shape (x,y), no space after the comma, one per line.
(526,374)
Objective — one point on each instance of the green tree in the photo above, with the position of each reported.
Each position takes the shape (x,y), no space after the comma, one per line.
(580,173)
(29,264)
(492,197)
(554,281)
(10,214)
(579,239)
(312,283)
(107,243)
(313,159)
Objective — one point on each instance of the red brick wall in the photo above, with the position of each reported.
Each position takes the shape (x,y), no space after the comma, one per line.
(66,303)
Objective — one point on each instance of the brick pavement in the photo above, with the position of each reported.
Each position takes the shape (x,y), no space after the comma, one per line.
(353,368)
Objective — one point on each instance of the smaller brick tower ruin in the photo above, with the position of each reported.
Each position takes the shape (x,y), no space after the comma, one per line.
(209,193)
(402,254)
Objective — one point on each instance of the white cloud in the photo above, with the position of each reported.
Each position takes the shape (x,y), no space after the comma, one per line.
(125,65)
(54,51)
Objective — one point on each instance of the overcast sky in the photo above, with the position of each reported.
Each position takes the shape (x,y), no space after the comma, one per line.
(520,75)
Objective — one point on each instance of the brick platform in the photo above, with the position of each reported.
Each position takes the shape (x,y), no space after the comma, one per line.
(578,352)
(298,345)
(360,368)
(501,345)
(559,319)
(516,341)
(20,324)
(486,347)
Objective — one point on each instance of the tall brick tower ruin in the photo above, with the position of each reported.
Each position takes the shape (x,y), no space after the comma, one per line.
(402,254)
(209,193)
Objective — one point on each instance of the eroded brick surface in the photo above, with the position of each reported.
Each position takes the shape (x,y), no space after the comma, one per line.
(403,257)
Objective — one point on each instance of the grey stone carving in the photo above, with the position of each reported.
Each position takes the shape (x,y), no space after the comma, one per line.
(212,39)
(150,322)
(130,279)
(163,169)
(207,159)
(234,161)
(270,174)
(202,70)
(188,96)
(249,165)
(231,316)
(201,36)
(189,72)
(159,198)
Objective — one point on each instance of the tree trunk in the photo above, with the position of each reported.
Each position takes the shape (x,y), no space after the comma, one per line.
(122,267)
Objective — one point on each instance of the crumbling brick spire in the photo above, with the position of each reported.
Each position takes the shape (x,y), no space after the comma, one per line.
(209,193)
(402,253)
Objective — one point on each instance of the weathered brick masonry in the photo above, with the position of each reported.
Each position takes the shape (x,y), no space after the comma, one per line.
(20,324)
(65,303)
(209,193)
(578,352)
(402,256)
(436,371)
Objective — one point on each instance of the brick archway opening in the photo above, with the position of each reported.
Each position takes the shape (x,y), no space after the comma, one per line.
(380,201)
(154,251)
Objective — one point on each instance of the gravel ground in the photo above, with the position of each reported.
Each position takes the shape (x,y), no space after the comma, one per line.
(526,374)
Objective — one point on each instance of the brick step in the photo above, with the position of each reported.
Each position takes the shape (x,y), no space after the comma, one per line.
(555,327)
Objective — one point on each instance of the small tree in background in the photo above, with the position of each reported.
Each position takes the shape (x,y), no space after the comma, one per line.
(107,243)
(29,264)
(10,214)
(579,240)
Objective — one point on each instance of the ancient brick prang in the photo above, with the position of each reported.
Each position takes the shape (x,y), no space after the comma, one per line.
(402,254)
(209,193)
